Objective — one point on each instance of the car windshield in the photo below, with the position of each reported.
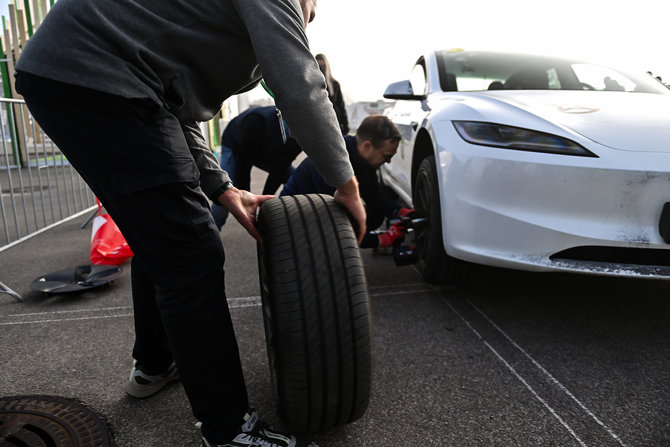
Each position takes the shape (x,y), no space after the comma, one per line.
(476,71)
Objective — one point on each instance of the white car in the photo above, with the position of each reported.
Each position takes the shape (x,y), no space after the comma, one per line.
(533,163)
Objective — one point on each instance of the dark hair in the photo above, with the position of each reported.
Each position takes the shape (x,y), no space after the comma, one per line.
(327,73)
(377,129)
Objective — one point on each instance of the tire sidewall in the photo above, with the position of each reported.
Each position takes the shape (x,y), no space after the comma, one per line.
(432,257)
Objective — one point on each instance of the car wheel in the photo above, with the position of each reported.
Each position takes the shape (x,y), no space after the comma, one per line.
(435,265)
(315,311)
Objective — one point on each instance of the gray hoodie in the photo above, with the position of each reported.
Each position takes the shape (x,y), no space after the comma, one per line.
(190,56)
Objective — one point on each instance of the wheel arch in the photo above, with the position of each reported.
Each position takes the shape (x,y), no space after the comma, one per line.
(423,147)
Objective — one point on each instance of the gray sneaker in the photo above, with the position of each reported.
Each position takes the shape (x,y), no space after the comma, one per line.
(257,434)
(143,385)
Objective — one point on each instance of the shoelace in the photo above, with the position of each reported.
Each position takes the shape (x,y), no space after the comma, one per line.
(259,441)
(263,430)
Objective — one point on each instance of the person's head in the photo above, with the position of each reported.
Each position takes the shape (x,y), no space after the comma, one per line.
(308,10)
(324,65)
(377,140)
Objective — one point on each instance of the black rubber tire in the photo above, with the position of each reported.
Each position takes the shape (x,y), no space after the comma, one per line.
(316,312)
(435,265)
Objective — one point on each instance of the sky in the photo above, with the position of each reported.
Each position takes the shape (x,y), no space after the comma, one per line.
(372,43)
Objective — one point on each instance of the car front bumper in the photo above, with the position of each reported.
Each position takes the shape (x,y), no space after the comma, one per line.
(546,212)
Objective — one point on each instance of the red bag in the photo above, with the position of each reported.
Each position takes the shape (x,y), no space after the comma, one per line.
(108,246)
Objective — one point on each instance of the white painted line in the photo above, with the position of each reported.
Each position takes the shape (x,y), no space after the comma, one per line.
(401,290)
(244,298)
(100,309)
(411,286)
(65,319)
(549,376)
(530,388)
(518,376)
(233,303)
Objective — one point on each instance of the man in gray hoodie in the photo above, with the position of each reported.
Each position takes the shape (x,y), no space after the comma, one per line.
(119,86)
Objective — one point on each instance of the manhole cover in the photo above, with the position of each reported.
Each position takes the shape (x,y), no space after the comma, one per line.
(47,421)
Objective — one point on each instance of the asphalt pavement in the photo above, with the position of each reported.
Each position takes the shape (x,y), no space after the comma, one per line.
(508,359)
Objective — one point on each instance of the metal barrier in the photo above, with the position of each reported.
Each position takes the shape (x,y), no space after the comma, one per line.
(39,187)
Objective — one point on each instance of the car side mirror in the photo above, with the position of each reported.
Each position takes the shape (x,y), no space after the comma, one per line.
(401,90)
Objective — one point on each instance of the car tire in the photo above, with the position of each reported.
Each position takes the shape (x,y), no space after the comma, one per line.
(435,265)
(315,311)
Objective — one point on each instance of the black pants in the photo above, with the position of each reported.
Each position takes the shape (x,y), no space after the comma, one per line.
(133,155)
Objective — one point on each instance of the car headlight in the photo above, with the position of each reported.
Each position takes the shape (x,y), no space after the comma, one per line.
(510,137)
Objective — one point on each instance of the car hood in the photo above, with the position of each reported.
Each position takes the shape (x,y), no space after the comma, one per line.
(624,121)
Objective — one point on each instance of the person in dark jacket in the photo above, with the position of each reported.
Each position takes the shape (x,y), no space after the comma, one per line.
(255,138)
(375,143)
(120,87)
(334,93)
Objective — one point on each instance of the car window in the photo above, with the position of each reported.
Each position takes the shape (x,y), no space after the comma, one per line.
(479,70)
(595,77)
(418,78)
